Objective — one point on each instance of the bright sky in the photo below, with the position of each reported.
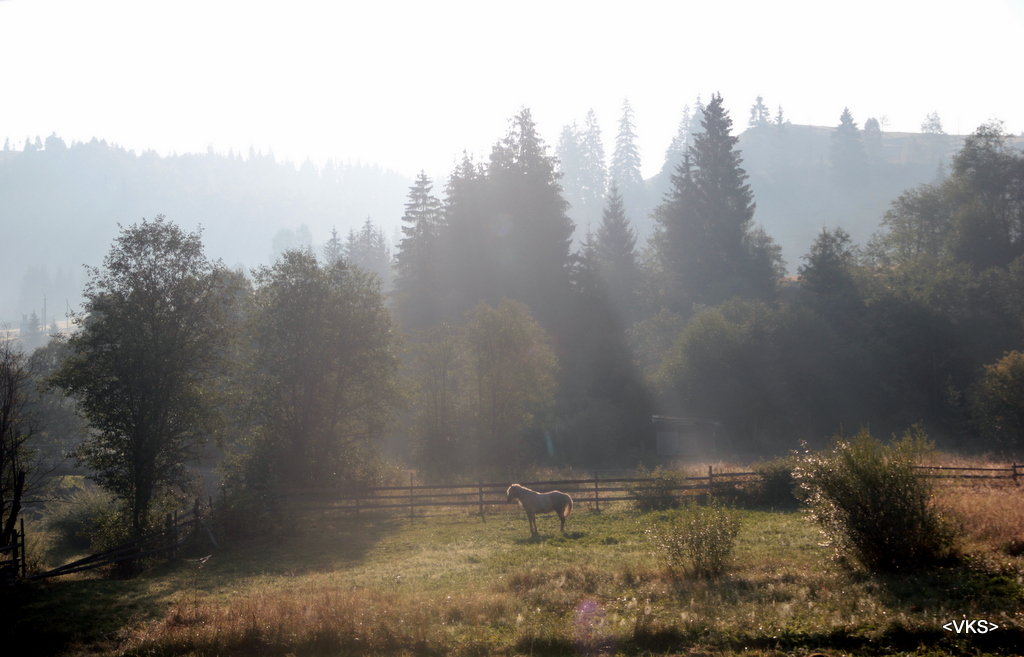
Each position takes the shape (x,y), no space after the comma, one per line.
(409,85)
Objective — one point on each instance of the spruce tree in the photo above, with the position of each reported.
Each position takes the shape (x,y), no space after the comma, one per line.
(615,254)
(368,250)
(529,214)
(570,156)
(625,170)
(418,258)
(848,157)
(759,115)
(706,247)
(469,245)
(677,149)
(333,251)
(594,172)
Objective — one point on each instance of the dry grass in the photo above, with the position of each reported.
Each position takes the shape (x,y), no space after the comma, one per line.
(453,585)
(991,515)
(326,620)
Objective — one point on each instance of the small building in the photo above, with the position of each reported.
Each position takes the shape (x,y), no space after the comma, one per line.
(687,437)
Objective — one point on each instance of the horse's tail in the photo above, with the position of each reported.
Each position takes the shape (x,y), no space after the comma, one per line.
(568,505)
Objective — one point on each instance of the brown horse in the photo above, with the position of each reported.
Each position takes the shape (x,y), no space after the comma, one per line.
(534,503)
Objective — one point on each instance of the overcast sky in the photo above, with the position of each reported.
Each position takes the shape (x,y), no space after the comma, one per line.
(409,85)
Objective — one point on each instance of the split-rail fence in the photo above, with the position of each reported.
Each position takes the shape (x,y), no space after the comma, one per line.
(420,499)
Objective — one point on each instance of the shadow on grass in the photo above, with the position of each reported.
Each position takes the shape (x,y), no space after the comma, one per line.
(52,617)
(321,546)
(964,586)
(552,538)
(894,639)
(64,614)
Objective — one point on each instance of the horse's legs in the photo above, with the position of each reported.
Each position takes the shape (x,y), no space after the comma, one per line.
(561,516)
(533,523)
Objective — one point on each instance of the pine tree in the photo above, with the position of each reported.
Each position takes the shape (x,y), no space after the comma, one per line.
(696,119)
(368,250)
(333,251)
(759,115)
(593,172)
(677,149)
(780,118)
(469,245)
(417,280)
(873,141)
(848,150)
(615,254)
(529,213)
(706,247)
(570,156)
(625,169)
(932,125)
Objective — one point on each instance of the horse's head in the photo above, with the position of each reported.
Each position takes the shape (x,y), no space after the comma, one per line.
(512,493)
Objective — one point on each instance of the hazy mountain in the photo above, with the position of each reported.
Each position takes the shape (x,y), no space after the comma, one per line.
(60,206)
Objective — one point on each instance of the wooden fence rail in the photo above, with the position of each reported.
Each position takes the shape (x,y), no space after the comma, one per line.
(164,542)
(591,491)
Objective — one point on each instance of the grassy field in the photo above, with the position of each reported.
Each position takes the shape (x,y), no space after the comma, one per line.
(453,585)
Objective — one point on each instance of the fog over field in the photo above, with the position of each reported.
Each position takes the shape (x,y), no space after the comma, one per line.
(307,307)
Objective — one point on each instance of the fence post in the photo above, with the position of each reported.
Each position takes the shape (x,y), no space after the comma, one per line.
(410,496)
(480,497)
(711,483)
(24,558)
(597,495)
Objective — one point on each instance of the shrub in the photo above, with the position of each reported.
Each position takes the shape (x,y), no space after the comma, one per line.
(872,505)
(699,540)
(777,486)
(658,492)
(79,521)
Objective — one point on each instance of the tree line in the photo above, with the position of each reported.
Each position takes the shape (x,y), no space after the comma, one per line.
(504,345)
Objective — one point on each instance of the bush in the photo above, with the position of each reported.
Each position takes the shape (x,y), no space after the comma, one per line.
(81,521)
(873,506)
(698,541)
(660,490)
(777,486)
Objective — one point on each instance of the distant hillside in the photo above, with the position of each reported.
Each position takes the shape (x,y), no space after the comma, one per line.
(60,206)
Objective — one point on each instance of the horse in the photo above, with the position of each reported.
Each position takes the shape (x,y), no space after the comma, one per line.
(534,503)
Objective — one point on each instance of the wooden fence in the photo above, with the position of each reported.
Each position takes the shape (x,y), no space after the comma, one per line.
(162,543)
(417,499)
(13,566)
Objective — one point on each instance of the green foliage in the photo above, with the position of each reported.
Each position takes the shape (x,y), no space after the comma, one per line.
(418,261)
(15,431)
(848,158)
(698,541)
(873,506)
(148,344)
(659,491)
(625,168)
(777,488)
(324,369)
(512,373)
(705,244)
(998,400)
(75,519)
(974,215)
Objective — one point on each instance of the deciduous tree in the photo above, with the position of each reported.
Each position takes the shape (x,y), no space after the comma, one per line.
(148,341)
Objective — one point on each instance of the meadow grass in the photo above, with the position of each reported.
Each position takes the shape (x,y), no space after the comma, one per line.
(453,585)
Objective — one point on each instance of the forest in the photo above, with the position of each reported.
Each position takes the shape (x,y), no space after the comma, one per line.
(524,320)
